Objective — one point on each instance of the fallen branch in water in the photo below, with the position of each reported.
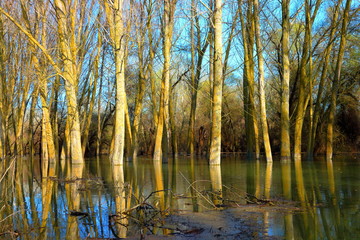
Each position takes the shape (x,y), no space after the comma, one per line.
(145,215)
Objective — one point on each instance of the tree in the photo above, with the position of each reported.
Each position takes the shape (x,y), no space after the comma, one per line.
(198,50)
(285,119)
(115,20)
(215,148)
(323,75)
(305,79)
(141,82)
(168,24)
(251,123)
(259,50)
(335,83)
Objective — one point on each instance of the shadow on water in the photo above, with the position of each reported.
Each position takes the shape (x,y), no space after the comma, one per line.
(182,198)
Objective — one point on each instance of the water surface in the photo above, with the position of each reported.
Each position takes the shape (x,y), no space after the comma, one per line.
(318,199)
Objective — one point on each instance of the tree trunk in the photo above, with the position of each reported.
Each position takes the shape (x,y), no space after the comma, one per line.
(324,72)
(304,78)
(262,98)
(172,107)
(251,125)
(169,9)
(191,132)
(70,75)
(115,20)
(285,82)
(215,148)
(195,76)
(336,83)
(141,85)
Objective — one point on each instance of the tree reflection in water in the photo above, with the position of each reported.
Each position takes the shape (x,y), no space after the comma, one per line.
(99,200)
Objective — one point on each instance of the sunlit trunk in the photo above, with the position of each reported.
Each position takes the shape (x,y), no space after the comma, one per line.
(115,19)
(40,66)
(216,185)
(169,9)
(20,119)
(260,58)
(285,82)
(268,180)
(215,148)
(70,75)
(44,150)
(141,84)
(159,184)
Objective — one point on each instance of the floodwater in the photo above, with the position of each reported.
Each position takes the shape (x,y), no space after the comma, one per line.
(282,200)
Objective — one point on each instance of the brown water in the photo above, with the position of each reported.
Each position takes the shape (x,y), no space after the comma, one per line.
(311,199)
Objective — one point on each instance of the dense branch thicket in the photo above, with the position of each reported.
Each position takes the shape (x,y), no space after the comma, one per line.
(130,78)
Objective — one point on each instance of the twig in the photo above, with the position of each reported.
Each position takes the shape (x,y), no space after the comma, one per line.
(211,203)
(7,170)
(154,193)
(10,215)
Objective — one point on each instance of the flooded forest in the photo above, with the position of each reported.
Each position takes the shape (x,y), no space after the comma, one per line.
(179,119)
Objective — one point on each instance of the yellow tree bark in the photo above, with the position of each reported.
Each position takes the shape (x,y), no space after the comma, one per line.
(40,67)
(141,82)
(169,9)
(285,82)
(115,19)
(66,33)
(68,72)
(260,58)
(215,147)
